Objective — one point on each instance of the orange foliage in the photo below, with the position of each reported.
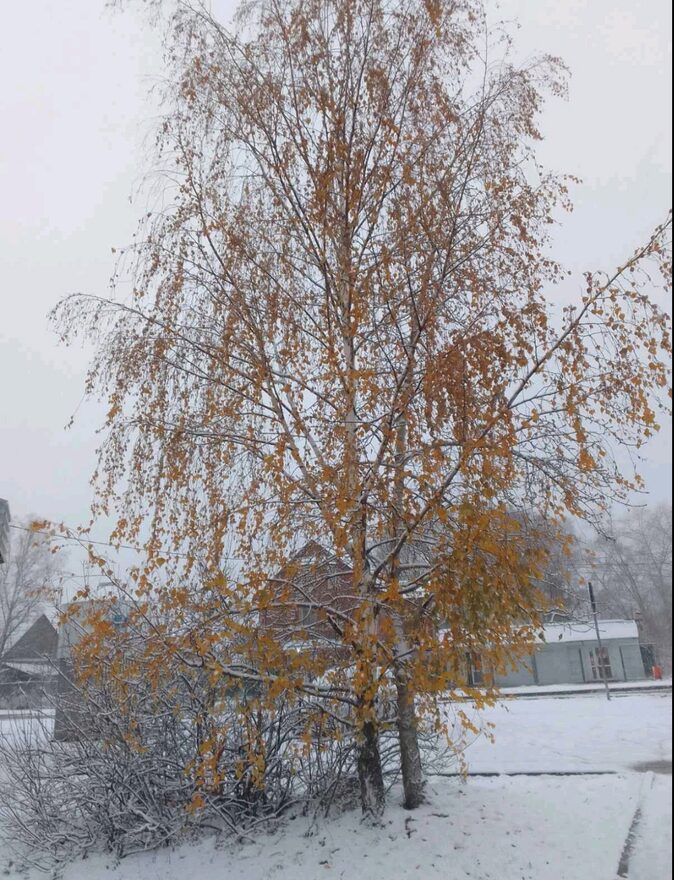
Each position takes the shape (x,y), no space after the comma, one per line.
(343,330)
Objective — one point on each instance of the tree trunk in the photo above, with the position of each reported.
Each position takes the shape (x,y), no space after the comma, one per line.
(410,755)
(370,776)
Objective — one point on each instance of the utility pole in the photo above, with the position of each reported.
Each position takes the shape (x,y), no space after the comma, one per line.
(600,653)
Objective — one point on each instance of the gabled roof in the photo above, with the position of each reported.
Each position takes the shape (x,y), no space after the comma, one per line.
(313,554)
(35,638)
(41,670)
(583,631)
(19,631)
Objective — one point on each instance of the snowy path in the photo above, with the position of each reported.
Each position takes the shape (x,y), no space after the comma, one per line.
(564,689)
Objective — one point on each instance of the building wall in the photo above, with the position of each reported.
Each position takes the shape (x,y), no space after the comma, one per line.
(23,690)
(522,674)
(570,663)
(624,657)
(561,663)
(70,715)
(69,725)
(632,662)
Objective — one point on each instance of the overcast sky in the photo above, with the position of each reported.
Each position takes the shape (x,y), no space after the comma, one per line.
(76,118)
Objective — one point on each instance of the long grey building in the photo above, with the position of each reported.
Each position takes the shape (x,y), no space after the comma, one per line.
(568,653)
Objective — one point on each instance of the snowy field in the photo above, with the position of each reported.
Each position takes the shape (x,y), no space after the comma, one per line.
(486,828)
(582,733)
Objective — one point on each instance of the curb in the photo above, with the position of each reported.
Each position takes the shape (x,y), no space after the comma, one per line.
(490,774)
(617,692)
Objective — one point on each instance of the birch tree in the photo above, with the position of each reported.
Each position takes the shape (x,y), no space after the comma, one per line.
(344,327)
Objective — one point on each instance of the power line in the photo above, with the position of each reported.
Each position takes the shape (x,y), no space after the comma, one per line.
(605,563)
(85,540)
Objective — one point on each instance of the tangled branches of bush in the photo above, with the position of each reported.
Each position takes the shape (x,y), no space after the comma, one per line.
(153,764)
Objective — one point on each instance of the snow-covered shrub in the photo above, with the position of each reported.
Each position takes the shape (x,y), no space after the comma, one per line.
(154,762)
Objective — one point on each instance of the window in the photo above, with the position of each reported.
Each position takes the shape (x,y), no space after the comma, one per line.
(306,615)
(117,617)
(475,670)
(601,664)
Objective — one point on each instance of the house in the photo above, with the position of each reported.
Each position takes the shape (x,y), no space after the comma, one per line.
(69,717)
(312,596)
(568,653)
(27,666)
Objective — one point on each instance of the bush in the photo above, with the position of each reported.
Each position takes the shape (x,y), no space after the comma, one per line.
(140,770)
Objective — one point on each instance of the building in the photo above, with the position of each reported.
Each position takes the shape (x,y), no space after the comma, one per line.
(308,588)
(27,667)
(4,531)
(568,653)
(70,717)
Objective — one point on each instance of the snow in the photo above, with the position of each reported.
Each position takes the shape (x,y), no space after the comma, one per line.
(452,837)
(583,631)
(583,733)
(533,829)
(32,667)
(495,828)
(652,856)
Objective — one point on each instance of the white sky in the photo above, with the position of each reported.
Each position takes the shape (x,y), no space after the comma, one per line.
(76,121)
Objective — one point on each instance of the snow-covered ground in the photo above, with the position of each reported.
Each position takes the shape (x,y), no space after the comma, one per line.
(503,828)
(652,856)
(22,725)
(581,733)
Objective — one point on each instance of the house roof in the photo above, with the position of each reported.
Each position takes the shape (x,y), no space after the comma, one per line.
(42,670)
(19,632)
(312,555)
(34,637)
(584,631)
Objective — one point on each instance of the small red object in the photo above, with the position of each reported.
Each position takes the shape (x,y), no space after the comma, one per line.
(657,672)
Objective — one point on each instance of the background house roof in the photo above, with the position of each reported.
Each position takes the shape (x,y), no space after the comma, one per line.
(583,631)
(34,639)
(41,670)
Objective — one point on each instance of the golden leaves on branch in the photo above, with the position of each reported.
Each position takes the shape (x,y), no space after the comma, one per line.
(343,330)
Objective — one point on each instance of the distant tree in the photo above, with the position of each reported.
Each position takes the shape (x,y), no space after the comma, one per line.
(634,574)
(28,580)
(343,329)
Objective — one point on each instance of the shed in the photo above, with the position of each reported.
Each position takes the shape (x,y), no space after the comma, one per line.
(568,654)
